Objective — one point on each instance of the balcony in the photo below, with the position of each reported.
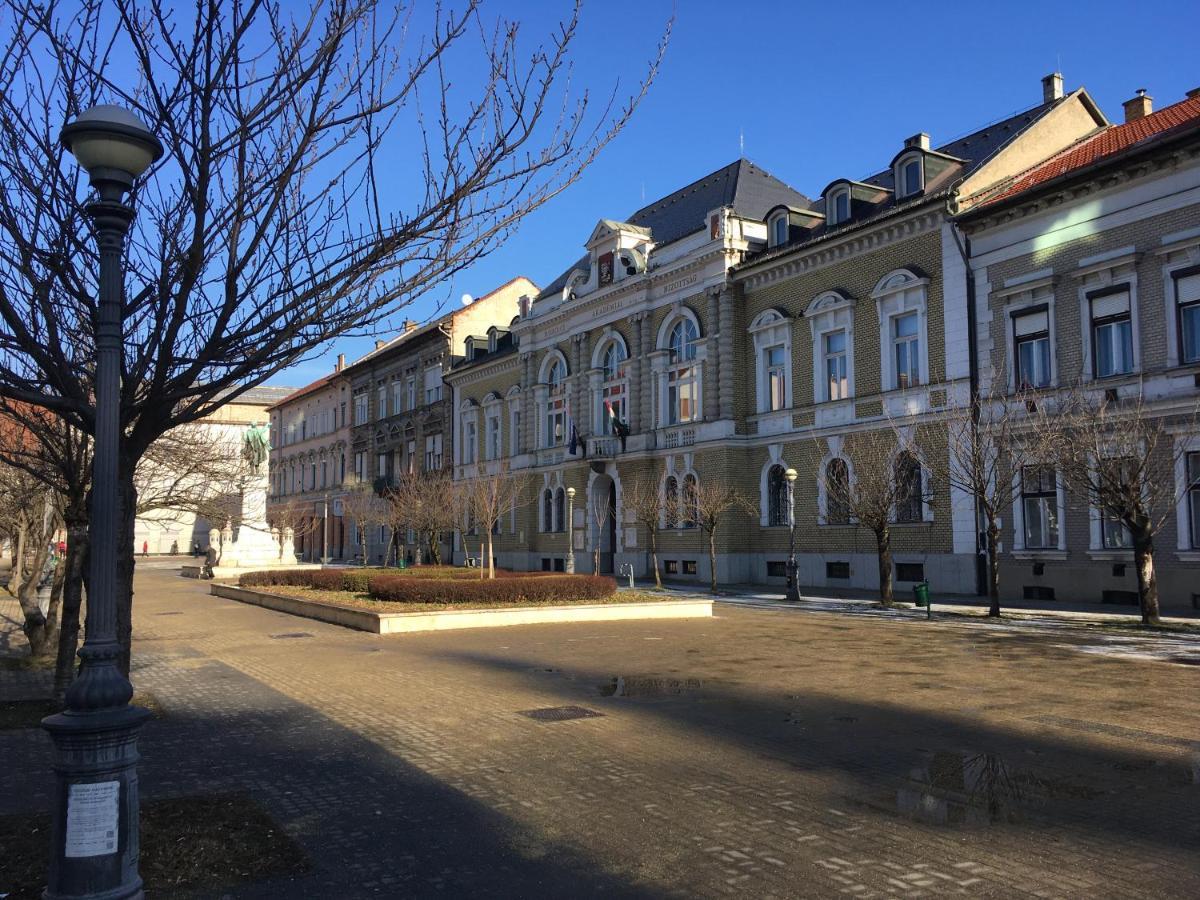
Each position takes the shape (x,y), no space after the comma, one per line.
(606,447)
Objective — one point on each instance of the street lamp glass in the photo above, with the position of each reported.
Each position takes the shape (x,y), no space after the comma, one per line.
(571,492)
(110,137)
(791,475)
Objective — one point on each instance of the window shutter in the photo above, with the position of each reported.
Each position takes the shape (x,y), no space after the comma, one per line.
(1032,323)
(1110,305)
(1187,289)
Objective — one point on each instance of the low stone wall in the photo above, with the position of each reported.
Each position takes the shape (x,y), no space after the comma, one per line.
(227,573)
(396,623)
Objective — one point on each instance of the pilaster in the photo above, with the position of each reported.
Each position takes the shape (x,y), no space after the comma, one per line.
(725,365)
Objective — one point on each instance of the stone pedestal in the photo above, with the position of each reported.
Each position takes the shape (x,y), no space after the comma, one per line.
(256,546)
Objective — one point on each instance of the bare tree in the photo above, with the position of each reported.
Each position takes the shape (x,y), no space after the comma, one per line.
(882,483)
(433,505)
(599,510)
(990,442)
(709,505)
(642,498)
(296,519)
(490,496)
(32,513)
(277,219)
(364,508)
(1120,457)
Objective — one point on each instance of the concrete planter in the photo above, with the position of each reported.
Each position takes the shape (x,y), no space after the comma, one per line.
(396,623)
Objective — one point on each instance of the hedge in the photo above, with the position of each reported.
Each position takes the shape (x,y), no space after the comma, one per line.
(522,588)
(280,577)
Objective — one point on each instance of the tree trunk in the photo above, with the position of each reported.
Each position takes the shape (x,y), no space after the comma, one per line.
(53,613)
(883,538)
(654,558)
(993,569)
(73,587)
(1143,560)
(712,560)
(18,567)
(491,561)
(34,624)
(435,548)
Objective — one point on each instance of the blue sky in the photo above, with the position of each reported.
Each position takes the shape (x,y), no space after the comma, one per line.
(816,92)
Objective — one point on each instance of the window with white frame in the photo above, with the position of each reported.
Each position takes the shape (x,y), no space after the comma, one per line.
(683,388)
(433,384)
(493,434)
(410,450)
(901,298)
(381,465)
(361,403)
(1192,469)
(1031,347)
(555,413)
(779,231)
(1116,478)
(910,176)
(470,441)
(410,390)
(1039,507)
(433,452)
(381,395)
(839,206)
(1187,303)
(360,466)
(1111,332)
(772,334)
(836,365)
(906,350)
(614,387)
(514,430)
(397,396)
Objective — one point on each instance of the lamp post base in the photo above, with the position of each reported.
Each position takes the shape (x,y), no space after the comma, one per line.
(793,582)
(96,846)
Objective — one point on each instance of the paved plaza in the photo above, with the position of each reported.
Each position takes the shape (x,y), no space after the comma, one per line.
(761,753)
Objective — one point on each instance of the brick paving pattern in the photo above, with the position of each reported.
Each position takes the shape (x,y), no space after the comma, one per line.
(760,753)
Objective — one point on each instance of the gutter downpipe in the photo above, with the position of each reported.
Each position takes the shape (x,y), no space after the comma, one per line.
(964,250)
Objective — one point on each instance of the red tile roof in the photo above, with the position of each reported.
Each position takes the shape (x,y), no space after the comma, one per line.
(1103,145)
(304,391)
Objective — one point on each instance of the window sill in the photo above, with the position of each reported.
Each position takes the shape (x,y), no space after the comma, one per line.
(1188,556)
(1111,555)
(1039,555)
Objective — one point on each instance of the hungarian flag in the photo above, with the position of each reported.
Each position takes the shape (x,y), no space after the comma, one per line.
(619,428)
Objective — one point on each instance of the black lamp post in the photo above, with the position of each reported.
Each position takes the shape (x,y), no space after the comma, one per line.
(793,579)
(95,834)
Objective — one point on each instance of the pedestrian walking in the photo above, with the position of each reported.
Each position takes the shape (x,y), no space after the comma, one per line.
(145,549)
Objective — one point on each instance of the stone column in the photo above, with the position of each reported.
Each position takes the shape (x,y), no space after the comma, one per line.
(528,432)
(712,366)
(726,362)
(645,373)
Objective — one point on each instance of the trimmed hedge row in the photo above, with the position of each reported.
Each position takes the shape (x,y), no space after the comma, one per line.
(514,589)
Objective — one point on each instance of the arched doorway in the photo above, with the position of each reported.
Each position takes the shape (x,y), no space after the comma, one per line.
(602,521)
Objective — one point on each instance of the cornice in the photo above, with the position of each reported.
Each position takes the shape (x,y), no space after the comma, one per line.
(807,259)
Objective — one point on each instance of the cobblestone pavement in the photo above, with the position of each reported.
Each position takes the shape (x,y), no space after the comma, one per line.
(760,753)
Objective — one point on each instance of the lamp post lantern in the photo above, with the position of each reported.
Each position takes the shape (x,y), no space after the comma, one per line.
(95,831)
(793,579)
(570,564)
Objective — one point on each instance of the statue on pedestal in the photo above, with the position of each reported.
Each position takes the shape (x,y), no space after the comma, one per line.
(255,447)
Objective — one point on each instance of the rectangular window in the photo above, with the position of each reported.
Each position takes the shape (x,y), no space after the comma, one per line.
(361,401)
(1112,334)
(837,570)
(774,364)
(397,397)
(689,567)
(682,395)
(1193,474)
(1039,504)
(343,406)
(556,419)
(1117,477)
(912,177)
(433,452)
(780,231)
(910,571)
(1187,296)
(776,568)
(360,466)
(905,349)
(324,473)
(514,437)
(433,384)
(671,566)
(841,207)
(411,450)
(837,381)
(381,465)
(381,403)
(469,443)
(493,437)
(410,388)
(1031,338)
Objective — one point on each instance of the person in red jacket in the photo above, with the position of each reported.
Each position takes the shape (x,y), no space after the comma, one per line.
(145,548)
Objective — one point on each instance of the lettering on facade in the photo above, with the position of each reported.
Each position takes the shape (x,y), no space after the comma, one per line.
(678,283)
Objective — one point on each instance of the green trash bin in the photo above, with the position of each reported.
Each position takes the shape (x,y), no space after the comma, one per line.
(402,563)
(921,593)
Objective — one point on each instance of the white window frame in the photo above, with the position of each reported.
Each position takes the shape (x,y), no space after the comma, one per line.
(433,452)
(670,372)
(553,408)
(1115,270)
(362,407)
(898,174)
(1018,509)
(831,215)
(381,400)
(493,433)
(1174,317)
(432,383)
(514,422)
(1185,444)
(829,312)
(773,238)
(610,388)
(397,389)
(771,328)
(897,294)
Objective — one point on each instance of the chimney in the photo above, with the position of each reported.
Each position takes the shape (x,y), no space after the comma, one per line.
(341,362)
(920,140)
(409,325)
(1052,88)
(1139,107)
(379,343)
(1193,93)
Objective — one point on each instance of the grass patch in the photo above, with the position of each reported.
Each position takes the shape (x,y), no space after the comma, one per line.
(363,601)
(16,714)
(26,663)
(200,843)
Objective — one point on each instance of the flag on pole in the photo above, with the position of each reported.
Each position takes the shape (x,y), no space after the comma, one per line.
(619,427)
(576,445)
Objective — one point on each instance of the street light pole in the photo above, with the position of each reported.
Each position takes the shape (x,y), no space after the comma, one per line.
(793,576)
(325,557)
(570,565)
(95,830)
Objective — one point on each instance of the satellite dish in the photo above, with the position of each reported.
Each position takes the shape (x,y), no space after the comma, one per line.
(466,299)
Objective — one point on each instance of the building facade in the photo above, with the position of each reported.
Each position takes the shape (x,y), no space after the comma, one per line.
(1087,272)
(401,411)
(310,444)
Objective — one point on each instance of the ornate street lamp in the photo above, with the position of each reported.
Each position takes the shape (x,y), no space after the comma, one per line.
(793,579)
(570,566)
(95,833)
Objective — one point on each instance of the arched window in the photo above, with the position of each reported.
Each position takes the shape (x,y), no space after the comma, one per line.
(547,510)
(683,393)
(837,492)
(909,493)
(556,405)
(671,502)
(691,501)
(615,387)
(777,499)
(560,510)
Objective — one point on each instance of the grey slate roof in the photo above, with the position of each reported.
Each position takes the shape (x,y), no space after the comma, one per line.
(750,190)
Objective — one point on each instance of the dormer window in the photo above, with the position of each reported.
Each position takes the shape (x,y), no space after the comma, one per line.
(779,230)
(839,206)
(910,177)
